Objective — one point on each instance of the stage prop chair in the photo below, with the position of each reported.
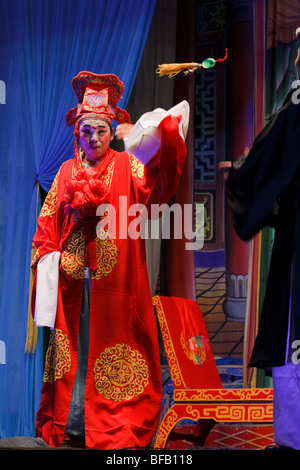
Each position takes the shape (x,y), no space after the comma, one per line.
(198,392)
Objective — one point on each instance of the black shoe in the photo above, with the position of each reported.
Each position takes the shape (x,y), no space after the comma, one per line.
(278,447)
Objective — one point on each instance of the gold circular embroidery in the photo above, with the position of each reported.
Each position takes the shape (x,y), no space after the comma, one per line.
(58,357)
(120,373)
(72,258)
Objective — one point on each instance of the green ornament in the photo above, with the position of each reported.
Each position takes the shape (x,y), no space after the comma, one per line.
(208,63)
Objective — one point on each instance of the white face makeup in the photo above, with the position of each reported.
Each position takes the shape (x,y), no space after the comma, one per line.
(94,137)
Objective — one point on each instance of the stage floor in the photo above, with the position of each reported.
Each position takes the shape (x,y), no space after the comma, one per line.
(226,337)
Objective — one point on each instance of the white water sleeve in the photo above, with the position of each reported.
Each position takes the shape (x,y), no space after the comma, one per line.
(144,139)
(46,289)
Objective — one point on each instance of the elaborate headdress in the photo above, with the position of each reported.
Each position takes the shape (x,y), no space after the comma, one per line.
(97,96)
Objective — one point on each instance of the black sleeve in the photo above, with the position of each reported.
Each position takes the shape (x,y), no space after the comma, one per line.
(255,184)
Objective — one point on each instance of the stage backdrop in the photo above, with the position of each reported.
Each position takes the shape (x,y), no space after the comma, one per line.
(43,45)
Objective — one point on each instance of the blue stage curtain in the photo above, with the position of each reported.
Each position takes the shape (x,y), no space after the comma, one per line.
(43,45)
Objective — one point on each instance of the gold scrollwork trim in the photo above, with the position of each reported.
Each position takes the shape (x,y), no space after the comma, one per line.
(58,357)
(176,374)
(224,394)
(106,178)
(36,257)
(168,423)
(136,167)
(231,412)
(72,258)
(50,203)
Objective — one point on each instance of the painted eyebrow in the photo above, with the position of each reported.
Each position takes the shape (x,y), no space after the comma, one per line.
(102,126)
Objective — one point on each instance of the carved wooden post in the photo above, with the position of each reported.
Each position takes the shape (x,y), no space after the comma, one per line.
(239,134)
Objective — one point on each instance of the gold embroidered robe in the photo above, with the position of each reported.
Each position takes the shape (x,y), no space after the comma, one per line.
(123,384)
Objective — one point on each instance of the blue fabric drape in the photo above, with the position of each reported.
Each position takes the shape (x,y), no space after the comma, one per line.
(43,45)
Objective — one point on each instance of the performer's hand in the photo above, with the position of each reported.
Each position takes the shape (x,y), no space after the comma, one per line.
(297,64)
(246,151)
(123,131)
(225,165)
(228,164)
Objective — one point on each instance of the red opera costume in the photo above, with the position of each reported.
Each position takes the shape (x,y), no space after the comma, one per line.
(123,390)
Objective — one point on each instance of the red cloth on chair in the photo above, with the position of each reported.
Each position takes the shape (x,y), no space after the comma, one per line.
(187,343)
